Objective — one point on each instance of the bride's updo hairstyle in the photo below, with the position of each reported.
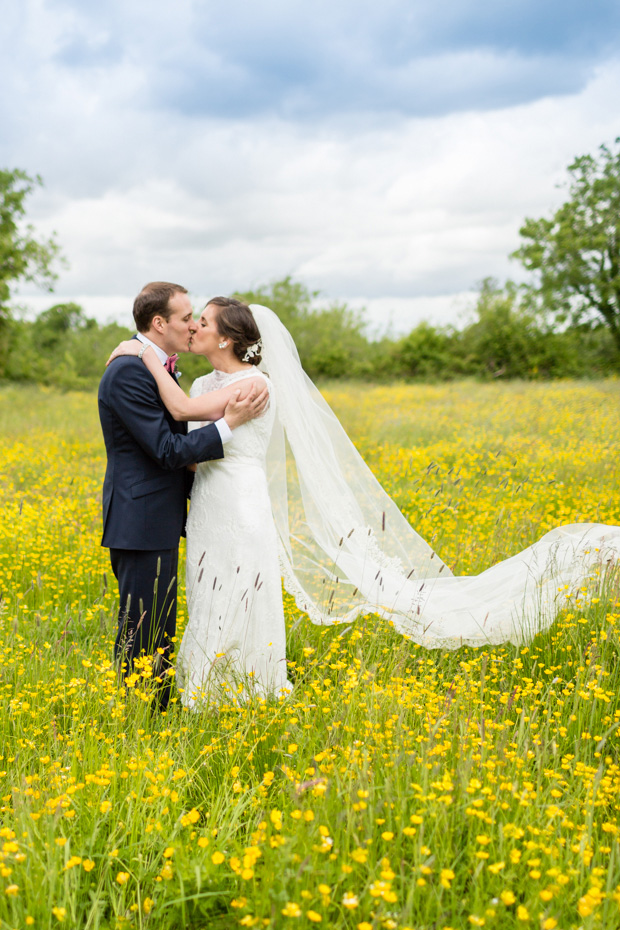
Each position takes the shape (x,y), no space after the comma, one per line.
(236,322)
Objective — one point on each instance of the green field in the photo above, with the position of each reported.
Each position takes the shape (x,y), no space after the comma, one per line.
(395,788)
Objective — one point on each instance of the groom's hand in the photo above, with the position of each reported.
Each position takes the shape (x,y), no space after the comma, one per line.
(241,409)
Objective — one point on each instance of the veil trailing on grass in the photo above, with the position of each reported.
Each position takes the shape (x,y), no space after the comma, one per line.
(346,549)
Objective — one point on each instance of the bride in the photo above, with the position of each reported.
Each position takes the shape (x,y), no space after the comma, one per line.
(293,499)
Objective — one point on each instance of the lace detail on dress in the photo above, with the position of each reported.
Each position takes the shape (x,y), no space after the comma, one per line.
(249,441)
(235,642)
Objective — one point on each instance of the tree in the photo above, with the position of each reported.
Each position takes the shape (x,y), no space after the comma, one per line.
(507,339)
(331,341)
(55,324)
(289,299)
(22,257)
(427,352)
(576,253)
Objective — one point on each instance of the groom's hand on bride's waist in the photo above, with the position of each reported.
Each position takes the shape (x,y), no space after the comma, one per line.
(240,408)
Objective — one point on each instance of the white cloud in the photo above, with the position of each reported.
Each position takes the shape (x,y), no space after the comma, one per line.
(411,209)
(384,208)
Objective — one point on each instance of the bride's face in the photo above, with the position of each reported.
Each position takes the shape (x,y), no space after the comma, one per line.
(206,339)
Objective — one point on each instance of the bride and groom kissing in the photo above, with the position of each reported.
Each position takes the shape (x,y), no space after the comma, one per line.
(278,493)
(151,457)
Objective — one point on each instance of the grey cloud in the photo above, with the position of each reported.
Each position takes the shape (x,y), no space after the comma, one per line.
(304,61)
(426,86)
(83,51)
(224,150)
(366,79)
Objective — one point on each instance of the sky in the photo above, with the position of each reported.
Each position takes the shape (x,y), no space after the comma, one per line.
(383,154)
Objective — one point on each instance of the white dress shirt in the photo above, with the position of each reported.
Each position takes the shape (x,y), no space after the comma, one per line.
(222,426)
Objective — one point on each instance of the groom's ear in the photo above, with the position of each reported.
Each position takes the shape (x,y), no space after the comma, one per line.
(157,323)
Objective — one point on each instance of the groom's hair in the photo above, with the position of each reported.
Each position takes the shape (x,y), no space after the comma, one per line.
(153,301)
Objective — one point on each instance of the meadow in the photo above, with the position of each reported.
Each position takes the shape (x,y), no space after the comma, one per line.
(396,787)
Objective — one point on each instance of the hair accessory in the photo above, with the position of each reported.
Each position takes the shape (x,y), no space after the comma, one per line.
(252,350)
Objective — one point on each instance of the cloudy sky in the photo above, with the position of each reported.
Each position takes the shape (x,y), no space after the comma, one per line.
(384,154)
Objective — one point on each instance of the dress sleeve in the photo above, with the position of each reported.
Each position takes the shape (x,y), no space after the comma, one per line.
(198,387)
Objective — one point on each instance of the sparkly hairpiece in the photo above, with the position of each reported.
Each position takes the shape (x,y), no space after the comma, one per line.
(252,350)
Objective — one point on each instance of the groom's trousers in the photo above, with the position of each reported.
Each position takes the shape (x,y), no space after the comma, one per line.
(147,583)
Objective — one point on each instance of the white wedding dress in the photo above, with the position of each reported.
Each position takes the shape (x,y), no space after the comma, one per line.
(235,641)
(292,487)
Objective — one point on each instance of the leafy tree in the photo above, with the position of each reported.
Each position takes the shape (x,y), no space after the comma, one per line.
(335,345)
(504,339)
(508,339)
(576,253)
(331,342)
(22,257)
(427,352)
(62,347)
(55,324)
(290,299)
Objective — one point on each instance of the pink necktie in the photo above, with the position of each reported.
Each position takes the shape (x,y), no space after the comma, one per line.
(170,363)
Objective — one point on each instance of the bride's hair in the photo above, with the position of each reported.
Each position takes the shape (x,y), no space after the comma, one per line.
(236,322)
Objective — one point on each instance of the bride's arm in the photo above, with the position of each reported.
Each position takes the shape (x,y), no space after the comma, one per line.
(209,406)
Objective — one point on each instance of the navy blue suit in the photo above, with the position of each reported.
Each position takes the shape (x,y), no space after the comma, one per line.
(145,501)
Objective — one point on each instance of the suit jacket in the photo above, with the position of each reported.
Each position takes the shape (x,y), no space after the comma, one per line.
(146,482)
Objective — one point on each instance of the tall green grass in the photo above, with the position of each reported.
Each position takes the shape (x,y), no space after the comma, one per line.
(394,788)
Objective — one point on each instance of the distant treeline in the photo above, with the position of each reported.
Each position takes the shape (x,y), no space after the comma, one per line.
(504,339)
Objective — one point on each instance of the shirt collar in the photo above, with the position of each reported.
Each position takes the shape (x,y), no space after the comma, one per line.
(161,355)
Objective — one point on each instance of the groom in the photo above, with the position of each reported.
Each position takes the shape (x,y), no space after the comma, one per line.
(147,480)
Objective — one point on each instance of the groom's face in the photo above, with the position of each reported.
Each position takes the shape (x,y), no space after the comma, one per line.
(180,326)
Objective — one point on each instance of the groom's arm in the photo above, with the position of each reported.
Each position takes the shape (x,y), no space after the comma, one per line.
(133,398)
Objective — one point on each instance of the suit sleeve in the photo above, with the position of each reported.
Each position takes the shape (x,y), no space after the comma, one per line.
(134,399)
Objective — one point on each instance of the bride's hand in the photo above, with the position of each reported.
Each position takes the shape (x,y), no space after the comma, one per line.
(129,347)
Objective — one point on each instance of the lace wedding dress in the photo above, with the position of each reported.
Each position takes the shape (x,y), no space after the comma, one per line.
(235,641)
(294,498)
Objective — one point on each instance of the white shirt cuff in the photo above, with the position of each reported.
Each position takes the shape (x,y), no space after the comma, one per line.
(224,430)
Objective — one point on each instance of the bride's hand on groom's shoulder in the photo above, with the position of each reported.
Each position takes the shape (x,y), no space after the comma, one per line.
(128,347)
(240,409)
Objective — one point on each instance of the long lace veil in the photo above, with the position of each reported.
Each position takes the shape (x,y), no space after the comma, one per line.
(341,535)
(346,549)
